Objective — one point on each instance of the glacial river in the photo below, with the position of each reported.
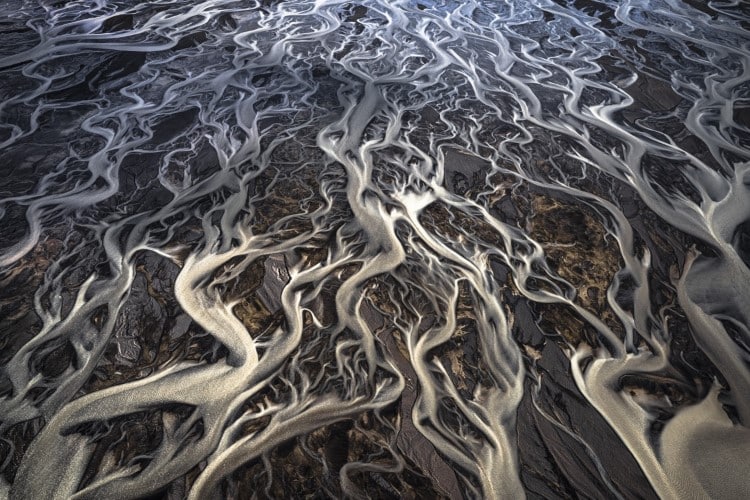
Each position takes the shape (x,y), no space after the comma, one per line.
(383,249)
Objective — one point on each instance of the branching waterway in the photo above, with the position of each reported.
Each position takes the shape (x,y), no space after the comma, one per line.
(382,249)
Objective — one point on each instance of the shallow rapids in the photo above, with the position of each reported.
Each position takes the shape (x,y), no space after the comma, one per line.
(418,249)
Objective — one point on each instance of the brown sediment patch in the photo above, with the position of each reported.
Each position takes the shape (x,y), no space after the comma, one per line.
(19,321)
(293,196)
(254,315)
(562,320)
(578,250)
(457,225)
(462,356)
(258,292)
(312,254)
(504,195)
